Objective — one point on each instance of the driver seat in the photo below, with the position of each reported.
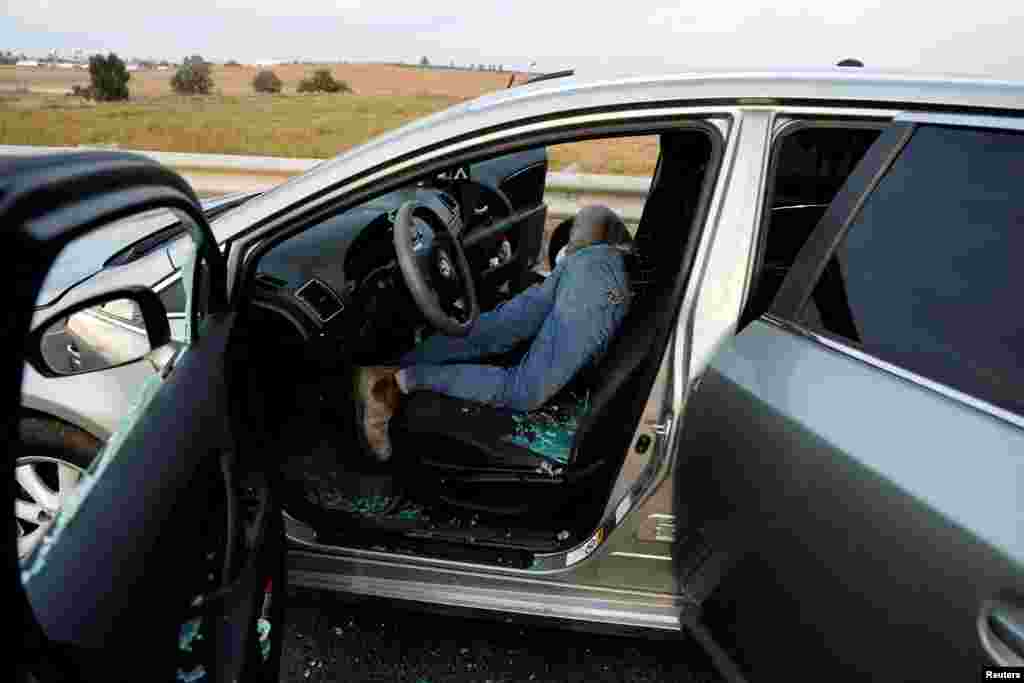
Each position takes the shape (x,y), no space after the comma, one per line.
(455,442)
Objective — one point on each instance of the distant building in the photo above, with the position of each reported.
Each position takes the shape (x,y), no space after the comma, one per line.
(27,62)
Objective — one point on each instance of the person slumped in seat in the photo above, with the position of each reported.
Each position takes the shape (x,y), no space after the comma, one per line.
(571,316)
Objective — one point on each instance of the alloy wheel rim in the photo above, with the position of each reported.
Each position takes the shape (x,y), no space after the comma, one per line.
(44,484)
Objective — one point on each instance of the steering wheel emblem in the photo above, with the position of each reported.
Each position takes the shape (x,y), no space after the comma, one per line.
(444,265)
(437,276)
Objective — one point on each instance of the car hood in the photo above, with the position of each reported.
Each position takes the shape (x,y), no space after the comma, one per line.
(86,256)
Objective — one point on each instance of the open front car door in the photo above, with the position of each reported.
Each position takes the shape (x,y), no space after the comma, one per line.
(165,561)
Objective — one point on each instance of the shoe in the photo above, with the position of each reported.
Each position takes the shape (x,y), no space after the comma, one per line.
(377,397)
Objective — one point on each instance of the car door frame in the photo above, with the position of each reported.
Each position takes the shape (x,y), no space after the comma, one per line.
(728,122)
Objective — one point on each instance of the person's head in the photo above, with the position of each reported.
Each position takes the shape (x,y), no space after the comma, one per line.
(597,224)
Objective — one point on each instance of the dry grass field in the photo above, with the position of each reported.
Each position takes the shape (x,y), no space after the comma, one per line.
(365,79)
(35,111)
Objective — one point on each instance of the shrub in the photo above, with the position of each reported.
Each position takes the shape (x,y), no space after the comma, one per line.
(232,63)
(82,91)
(109,78)
(266,81)
(323,81)
(193,77)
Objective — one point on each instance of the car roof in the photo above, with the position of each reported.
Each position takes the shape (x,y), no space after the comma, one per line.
(837,87)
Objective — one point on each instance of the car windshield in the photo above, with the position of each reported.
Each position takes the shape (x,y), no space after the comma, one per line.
(86,256)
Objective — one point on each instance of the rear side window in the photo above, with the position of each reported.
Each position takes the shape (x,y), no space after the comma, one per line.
(929,275)
(808,167)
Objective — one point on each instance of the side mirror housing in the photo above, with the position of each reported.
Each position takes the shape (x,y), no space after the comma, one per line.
(106,331)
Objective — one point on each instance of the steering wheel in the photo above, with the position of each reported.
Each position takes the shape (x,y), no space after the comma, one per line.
(436,271)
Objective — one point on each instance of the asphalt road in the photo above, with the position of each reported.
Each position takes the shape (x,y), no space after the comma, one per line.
(330,639)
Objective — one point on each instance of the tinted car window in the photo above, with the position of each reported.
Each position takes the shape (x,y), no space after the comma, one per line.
(929,274)
(809,167)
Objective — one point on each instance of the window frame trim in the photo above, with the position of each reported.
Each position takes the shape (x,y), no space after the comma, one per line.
(845,348)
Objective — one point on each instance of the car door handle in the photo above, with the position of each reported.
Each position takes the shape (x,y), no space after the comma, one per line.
(1008,628)
(1001,628)
(75,353)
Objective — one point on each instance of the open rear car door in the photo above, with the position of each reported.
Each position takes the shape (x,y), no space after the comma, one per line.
(167,560)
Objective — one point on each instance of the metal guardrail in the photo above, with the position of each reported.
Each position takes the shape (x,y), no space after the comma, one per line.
(213,174)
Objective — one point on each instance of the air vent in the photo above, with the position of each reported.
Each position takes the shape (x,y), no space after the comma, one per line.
(319,297)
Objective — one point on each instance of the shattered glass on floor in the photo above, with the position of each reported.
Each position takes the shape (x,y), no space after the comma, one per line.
(549,430)
(190,634)
(392,507)
(328,485)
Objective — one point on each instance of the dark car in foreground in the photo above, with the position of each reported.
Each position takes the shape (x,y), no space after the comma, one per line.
(803,444)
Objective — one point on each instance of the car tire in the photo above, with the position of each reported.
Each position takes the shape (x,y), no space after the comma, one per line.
(49,462)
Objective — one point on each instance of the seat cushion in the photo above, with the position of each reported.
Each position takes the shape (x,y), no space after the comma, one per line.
(491,438)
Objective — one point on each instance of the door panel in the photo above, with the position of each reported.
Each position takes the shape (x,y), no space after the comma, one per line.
(171,524)
(887,513)
(885,505)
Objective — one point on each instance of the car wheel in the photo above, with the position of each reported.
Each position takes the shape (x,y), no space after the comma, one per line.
(52,459)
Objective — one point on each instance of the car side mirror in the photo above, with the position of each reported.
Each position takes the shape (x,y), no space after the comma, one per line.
(103,332)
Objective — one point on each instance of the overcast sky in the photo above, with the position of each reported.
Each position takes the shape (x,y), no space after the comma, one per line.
(980,36)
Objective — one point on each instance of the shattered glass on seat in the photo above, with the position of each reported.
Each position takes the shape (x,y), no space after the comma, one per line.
(549,430)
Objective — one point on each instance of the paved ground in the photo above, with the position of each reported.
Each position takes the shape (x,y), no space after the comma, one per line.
(327,639)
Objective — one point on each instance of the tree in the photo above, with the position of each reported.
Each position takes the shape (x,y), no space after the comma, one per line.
(193,77)
(109,78)
(849,61)
(266,81)
(232,63)
(424,61)
(8,57)
(323,81)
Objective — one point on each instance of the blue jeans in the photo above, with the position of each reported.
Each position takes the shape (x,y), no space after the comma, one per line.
(571,317)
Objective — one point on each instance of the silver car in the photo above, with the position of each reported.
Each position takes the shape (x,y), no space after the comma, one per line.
(804,441)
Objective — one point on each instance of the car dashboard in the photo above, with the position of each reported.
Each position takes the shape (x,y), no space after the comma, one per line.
(341,277)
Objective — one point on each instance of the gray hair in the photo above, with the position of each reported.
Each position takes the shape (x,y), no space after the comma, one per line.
(597,224)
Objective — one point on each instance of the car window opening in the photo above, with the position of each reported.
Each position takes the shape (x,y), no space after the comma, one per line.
(465,480)
(809,166)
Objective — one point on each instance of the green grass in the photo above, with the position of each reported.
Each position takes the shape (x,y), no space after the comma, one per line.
(317,126)
(290,126)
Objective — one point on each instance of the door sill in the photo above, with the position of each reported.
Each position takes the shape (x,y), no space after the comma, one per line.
(452,587)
